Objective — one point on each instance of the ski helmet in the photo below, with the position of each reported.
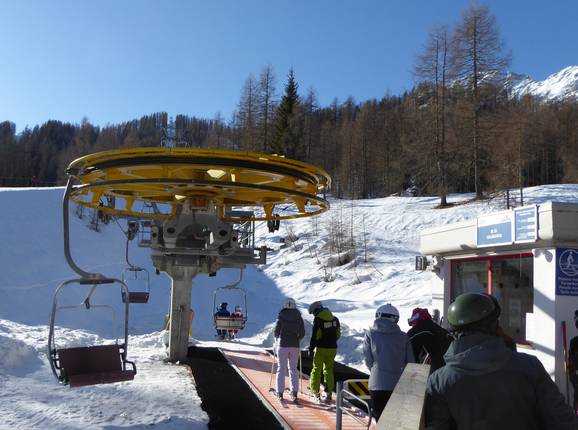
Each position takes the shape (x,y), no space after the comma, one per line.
(289,304)
(314,307)
(473,310)
(223,305)
(418,314)
(387,311)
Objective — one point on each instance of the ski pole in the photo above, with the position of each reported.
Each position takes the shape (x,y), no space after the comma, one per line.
(300,370)
(273,365)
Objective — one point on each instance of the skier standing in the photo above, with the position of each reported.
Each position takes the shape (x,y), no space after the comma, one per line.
(323,347)
(429,341)
(386,350)
(289,330)
(485,385)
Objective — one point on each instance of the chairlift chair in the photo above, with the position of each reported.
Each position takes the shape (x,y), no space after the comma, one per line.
(89,365)
(134,274)
(230,325)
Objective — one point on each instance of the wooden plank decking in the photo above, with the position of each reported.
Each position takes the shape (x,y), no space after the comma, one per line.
(255,368)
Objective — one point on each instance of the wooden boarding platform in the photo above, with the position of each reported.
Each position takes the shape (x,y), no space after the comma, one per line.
(255,368)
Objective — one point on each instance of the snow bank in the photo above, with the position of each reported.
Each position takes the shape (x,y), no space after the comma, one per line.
(17,358)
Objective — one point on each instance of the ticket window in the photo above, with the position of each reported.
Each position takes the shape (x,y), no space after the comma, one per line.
(508,278)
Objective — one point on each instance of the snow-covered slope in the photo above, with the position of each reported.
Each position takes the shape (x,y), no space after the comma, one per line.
(385,233)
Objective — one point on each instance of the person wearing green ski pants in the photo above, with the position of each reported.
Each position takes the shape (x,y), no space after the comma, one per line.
(323,359)
(322,348)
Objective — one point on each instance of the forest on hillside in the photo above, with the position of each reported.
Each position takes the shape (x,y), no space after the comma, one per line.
(457,130)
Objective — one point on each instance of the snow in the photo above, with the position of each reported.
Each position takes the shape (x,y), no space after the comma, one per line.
(163,395)
(560,85)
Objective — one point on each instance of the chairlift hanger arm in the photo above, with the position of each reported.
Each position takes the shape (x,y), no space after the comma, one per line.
(66,231)
(237,282)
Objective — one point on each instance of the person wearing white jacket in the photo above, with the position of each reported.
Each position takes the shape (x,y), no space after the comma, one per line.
(386,350)
(289,330)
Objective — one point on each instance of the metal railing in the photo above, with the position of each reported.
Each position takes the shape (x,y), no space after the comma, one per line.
(343,397)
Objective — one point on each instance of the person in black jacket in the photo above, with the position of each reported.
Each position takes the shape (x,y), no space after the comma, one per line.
(323,348)
(429,341)
(487,386)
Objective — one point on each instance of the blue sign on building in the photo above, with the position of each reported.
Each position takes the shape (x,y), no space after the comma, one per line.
(526,224)
(567,272)
(494,229)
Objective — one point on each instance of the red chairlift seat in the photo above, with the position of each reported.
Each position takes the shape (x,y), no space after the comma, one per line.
(91,365)
(136,297)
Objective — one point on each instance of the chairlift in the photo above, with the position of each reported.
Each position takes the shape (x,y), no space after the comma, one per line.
(145,229)
(134,274)
(87,365)
(90,365)
(229,326)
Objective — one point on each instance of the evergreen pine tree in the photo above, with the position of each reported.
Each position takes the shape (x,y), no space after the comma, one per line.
(286,140)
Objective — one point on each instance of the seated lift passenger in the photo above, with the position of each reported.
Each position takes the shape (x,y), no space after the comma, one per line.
(222,312)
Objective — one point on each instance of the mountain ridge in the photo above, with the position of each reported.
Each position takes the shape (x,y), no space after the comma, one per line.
(562,85)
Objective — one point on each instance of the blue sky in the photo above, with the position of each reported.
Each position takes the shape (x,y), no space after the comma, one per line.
(115,60)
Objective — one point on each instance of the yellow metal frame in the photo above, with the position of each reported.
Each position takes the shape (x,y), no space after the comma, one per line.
(223,178)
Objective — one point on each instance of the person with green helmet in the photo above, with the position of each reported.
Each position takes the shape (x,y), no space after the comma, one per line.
(323,347)
(486,385)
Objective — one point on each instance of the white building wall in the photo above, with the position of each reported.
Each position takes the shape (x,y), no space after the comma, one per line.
(541,330)
(565,308)
(438,288)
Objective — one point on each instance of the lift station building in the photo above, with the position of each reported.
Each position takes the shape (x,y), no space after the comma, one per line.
(528,259)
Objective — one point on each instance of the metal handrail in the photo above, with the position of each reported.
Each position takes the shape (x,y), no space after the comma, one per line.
(339,407)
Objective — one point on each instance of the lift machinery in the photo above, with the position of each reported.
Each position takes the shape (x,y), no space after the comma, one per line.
(203,198)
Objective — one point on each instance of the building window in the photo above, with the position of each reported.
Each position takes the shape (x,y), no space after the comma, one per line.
(508,278)
(469,277)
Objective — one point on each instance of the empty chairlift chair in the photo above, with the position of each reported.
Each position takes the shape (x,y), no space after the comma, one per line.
(134,275)
(89,365)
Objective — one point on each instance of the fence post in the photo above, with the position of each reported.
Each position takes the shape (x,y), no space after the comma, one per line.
(338,402)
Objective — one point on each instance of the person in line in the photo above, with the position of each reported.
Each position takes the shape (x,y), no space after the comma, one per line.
(486,385)
(429,341)
(222,311)
(323,348)
(289,330)
(386,350)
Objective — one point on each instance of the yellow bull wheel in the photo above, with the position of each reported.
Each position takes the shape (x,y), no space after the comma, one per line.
(172,176)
